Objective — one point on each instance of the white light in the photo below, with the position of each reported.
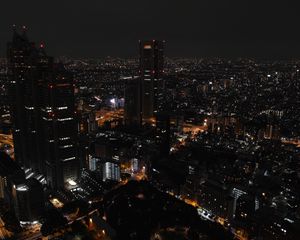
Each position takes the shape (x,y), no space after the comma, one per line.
(66,146)
(72,182)
(64,138)
(22,188)
(29,223)
(47,119)
(97,98)
(62,108)
(64,119)
(30,175)
(68,159)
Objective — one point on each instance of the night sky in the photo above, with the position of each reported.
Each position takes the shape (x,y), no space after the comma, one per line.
(191,28)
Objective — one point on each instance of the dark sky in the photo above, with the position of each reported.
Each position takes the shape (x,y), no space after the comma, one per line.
(98,28)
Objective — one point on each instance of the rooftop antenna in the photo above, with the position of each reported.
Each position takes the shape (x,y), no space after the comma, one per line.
(14,28)
(24,30)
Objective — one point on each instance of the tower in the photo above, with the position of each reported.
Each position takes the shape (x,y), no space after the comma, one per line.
(151,73)
(42,110)
(132,109)
(59,128)
(27,66)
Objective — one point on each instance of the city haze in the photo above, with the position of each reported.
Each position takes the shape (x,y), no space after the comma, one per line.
(233,28)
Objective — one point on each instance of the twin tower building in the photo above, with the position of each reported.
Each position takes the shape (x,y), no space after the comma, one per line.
(45,129)
(42,111)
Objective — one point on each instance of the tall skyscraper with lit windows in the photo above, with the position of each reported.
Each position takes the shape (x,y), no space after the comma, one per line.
(59,128)
(151,73)
(27,65)
(42,112)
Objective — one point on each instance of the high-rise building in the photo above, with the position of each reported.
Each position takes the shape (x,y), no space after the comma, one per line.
(59,128)
(10,174)
(93,163)
(2,187)
(134,165)
(87,124)
(144,94)
(26,66)
(111,171)
(163,132)
(132,109)
(151,73)
(29,200)
(42,110)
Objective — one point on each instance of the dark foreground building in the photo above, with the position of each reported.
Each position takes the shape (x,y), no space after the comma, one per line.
(29,200)
(42,110)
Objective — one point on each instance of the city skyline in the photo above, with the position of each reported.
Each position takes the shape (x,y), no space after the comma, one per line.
(149,120)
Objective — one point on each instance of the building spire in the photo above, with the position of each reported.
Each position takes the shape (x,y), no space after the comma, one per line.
(24,32)
(14,28)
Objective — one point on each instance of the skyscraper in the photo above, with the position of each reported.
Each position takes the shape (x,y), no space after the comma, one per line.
(59,128)
(151,72)
(42,110)
(26,67)
(132,108)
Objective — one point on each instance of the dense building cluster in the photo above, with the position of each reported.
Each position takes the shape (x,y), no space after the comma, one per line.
(148,148)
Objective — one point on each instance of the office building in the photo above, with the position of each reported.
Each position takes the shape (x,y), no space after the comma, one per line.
(151,73)
(29,201)
(111,171)
(132,109)
(59,128)
(26,66)
(42,110)
(163,132)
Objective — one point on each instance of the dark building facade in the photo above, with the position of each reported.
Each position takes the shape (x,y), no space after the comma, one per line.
(151,73)
(29,200)
(10,174)
(132,108)
(144,94)
(42,110)
(23,62)
(163,132)
(59,128)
